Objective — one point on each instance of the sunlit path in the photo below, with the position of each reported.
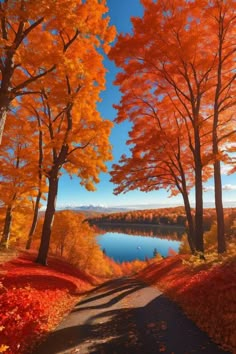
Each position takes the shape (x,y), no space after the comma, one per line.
(127,316)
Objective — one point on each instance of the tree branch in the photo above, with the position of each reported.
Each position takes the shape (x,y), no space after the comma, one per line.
(32,79)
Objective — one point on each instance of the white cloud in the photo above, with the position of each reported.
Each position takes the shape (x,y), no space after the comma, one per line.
(226,187)
(209,188)
(225,169)
(229,187)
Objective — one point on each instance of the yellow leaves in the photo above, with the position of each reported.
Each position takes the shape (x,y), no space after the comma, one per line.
(74,239)
(90,186)
(3,348)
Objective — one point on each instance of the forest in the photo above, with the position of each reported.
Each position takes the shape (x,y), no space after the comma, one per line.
(164,217)
(176,78)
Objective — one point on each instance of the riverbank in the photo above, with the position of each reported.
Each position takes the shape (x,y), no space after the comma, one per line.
(126,224)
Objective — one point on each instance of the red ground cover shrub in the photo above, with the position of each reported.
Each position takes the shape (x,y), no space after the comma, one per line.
(33,299)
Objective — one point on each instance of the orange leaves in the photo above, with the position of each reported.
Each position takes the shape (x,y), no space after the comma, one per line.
(90,186)
(3,348)
(19,166)
(37,38)
(56,55)
(176,79)
(74,239)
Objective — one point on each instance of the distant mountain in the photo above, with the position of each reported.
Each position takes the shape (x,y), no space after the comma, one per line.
(88,209)
(95,209)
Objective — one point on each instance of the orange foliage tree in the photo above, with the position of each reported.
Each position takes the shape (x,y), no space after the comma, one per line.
(171,59)
(34,36)
(73,134)
(18,170)
(73,239)
(221,19)
(39,176)
(51,58)
(160,155)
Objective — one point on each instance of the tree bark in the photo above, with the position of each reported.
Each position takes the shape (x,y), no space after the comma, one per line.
(184,192)
(215,146)
(190,231)
(7,227)
(3,116)
(40,176)
(198,238)
(219,208)
(34,222)
(48,220)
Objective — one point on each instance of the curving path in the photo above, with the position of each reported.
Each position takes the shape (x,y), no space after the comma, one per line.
(126,316)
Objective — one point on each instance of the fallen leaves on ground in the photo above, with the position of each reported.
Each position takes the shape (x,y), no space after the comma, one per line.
(33,299)
(207,294)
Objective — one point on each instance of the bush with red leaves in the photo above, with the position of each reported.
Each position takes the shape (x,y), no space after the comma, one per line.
(33,299)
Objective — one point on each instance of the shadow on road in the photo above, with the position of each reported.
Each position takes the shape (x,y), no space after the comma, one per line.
(111,321)
(119,291)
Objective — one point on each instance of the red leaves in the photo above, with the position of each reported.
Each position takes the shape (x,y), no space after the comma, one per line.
(23,313)
(34,299)
(28,314)
(207,295)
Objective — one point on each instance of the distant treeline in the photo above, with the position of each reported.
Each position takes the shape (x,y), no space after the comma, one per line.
(164,216)
(149,230)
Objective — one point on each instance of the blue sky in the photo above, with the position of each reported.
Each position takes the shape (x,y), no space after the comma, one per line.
(70,191)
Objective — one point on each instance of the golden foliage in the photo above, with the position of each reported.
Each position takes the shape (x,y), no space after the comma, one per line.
(73,239)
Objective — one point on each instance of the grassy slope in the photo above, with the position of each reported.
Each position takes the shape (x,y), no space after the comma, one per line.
(206,293)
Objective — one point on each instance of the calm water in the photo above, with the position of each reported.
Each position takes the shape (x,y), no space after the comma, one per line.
(126,247)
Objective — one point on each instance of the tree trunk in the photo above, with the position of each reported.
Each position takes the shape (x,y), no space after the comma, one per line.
(190,231)
(48,220)
(40,162)
(198,239)
(7,227)
(34,222)
(184,192)
(3,116)
(215,147)
(219,208)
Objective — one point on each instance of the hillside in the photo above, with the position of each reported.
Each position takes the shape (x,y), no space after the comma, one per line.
(34,299)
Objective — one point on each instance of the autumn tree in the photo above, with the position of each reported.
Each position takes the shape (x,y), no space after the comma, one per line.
(73,239)
(40,188)
(159,154)
(170,53)
(34,36)
(74,135)
(221,16)
(18,170)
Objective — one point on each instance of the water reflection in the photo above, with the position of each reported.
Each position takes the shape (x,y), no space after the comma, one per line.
(129,242)
(160,231)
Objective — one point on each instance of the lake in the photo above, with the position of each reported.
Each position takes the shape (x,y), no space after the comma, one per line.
(127,243)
